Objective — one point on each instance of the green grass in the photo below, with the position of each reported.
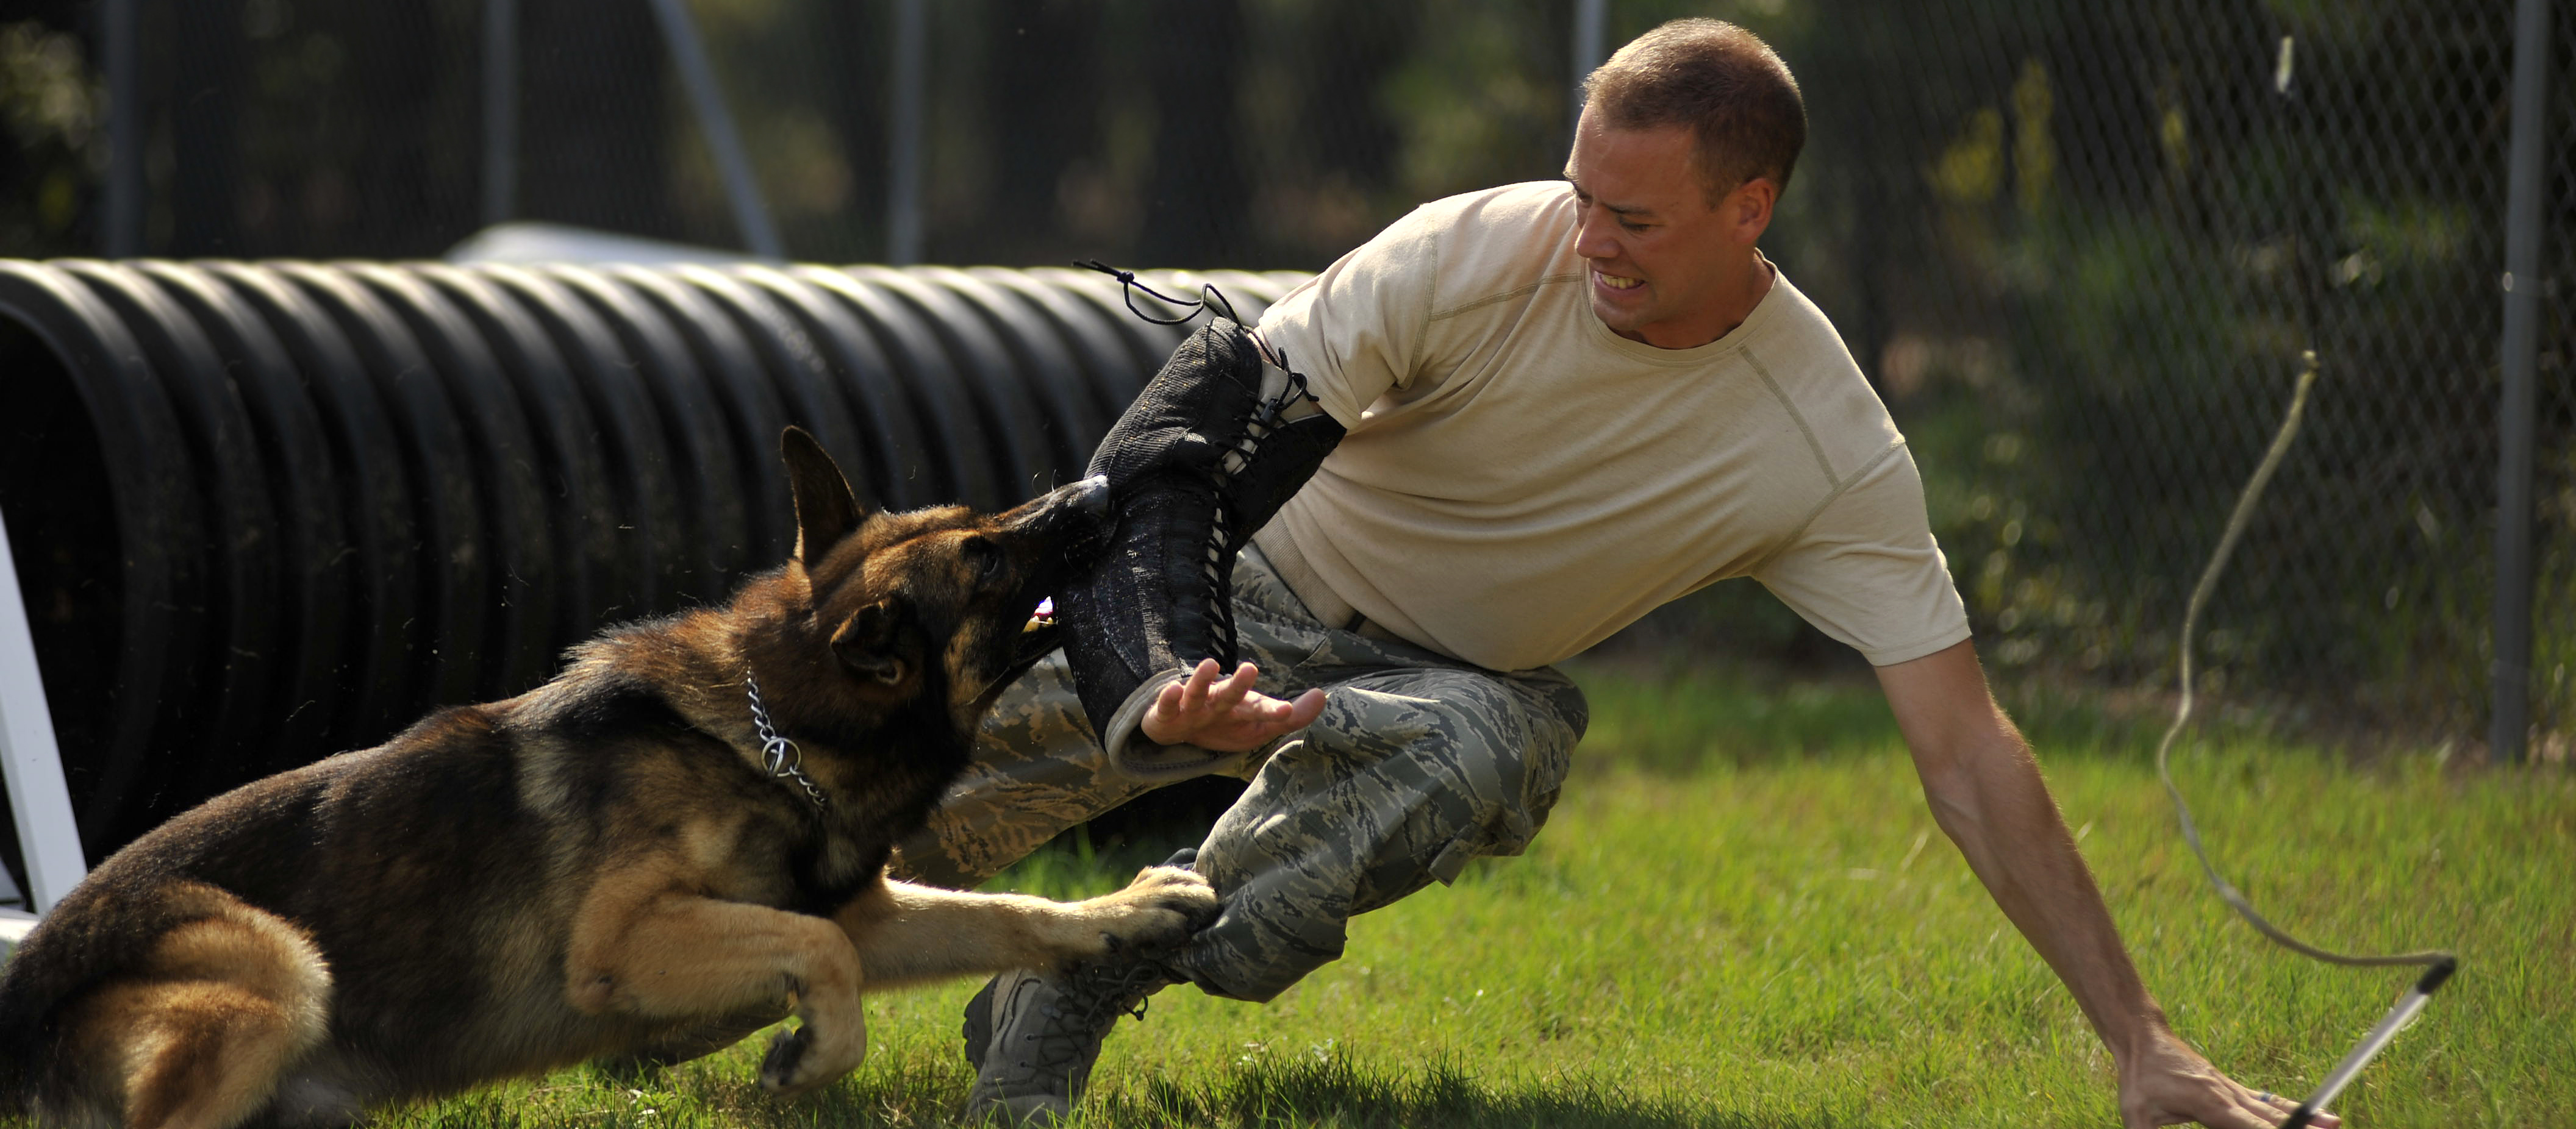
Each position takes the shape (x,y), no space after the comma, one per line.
(1741,915)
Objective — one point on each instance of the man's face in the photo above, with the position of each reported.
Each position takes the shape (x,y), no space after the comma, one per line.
(1668,268)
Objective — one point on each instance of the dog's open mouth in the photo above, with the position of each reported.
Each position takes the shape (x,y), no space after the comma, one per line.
(1038,637)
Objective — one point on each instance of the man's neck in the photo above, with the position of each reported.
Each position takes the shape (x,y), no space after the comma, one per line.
(1740,301)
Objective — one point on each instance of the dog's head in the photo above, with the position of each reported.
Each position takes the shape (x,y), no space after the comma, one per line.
(934,604)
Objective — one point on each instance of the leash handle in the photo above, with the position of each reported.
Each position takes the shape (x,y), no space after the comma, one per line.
(2405,1011)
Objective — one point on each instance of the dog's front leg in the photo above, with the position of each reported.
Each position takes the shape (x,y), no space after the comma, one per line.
(907,934)
(667,955)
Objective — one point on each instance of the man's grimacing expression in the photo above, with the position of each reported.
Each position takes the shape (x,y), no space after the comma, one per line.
(1668,268)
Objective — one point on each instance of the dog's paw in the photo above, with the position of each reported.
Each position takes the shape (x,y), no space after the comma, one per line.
(799,1060)
(1163,905)
(782,1068)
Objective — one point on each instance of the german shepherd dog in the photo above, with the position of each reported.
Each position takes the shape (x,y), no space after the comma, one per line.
(618,863)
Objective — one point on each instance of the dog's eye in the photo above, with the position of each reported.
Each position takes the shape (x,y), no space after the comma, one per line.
(984,559)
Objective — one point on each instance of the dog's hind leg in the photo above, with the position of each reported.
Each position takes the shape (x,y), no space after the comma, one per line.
(199,1037)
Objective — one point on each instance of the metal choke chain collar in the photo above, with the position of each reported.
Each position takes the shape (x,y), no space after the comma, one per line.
(779,756)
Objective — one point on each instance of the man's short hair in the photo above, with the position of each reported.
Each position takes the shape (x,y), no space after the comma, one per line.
(1722,83)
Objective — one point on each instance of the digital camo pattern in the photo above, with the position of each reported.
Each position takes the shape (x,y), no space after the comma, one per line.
(1418,764)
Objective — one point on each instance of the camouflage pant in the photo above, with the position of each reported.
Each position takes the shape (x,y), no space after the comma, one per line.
(1418,764)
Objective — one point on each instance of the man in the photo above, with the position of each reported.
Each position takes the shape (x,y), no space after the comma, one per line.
(1564,404)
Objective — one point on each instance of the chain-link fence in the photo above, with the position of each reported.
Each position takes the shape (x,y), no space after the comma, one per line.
(2070,240)
(2084,245)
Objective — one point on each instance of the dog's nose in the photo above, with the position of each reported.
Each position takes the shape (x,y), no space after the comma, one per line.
(1068,508)
(1091,495)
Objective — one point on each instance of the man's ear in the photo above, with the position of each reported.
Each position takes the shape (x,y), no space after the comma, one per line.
(1747,210)
(870,643)
(826,509)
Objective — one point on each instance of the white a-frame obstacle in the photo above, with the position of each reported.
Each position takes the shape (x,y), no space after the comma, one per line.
(31,765)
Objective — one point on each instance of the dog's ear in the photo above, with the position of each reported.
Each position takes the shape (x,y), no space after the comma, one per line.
(871,643)
(826,508)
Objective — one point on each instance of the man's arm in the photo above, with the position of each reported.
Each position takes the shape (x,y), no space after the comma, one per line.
(1987,795)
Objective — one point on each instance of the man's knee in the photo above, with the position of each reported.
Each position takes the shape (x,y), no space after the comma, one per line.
(1407,776)
(1482,756)
(1399,785)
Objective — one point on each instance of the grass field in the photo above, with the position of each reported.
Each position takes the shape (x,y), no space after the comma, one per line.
(1741,915)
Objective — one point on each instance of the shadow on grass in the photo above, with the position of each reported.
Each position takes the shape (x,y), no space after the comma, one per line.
(718,1092)
(913,1094)
(1438,1096)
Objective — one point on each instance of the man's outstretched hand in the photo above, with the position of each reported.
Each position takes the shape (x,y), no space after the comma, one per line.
(2168,1083)
(1225,714)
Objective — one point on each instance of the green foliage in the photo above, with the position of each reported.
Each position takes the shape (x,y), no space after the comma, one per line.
(1479,104)
(49,118)
(2083,259)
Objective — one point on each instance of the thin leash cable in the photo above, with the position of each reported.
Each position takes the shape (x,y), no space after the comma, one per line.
(2200,595)
(2438,965)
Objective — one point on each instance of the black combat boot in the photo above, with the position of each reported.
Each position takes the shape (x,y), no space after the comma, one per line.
(1205,457)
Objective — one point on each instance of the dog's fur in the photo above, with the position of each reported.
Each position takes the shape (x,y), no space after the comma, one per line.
(600,867)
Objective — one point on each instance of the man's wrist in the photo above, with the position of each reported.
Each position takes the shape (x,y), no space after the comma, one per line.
(1131,722)
(2146,1032)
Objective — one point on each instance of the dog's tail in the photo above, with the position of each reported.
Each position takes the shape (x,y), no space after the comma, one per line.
(21,1032)
(81,940)
(35,983)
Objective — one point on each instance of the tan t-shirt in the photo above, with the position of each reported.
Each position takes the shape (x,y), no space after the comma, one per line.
(1519,482)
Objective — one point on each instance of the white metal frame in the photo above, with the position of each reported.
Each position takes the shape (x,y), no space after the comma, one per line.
(32,765)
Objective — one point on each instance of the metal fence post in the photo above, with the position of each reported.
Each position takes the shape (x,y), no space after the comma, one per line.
(903,172)
(724,143)
(119,22)
(2523,286)
(500,110)
(1590,20)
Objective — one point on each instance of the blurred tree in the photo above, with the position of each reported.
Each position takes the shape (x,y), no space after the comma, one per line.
(1357,44)
(1043,111)
(50,132)
(1195,198)
(595,120)
(851,84)
(397,86)
(204,100)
